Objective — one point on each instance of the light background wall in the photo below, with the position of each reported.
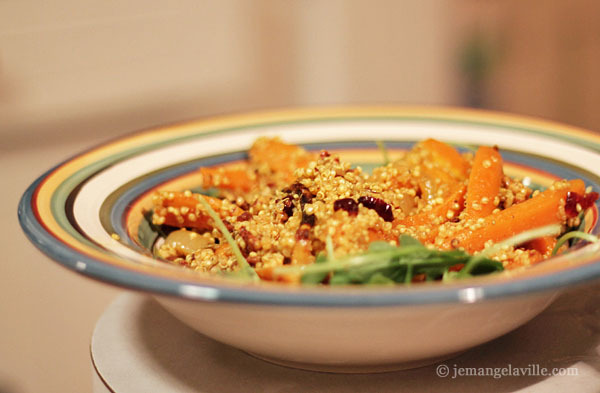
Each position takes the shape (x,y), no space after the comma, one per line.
(75,73)
(73,68)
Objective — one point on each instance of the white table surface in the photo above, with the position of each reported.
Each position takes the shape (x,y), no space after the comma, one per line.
(138,347)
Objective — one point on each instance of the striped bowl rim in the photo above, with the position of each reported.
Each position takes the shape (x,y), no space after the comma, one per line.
(46,210)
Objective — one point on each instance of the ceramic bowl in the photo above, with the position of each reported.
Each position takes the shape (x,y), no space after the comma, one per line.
(73,212)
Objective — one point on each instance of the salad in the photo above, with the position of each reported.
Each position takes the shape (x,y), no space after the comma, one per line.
(292,215)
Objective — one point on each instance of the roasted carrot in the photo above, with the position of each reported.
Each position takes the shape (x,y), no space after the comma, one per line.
(268,274)
(183,209)
(234,179)
(542,209)
(484,183)
(447,156)
(543,245)
(435,182)
(279,157)
(443,212)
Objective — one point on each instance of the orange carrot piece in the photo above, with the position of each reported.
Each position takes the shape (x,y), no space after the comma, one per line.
(543,245)
(268,274)
(484,182)
(279,157)
(447,155)
(543,209)
(183,209)
(302,253)
(432,181)
(442,212)
(235,179)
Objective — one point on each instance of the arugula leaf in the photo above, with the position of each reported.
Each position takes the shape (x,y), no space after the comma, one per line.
(574,235)
(406,240)
(211,192)
(318,277)
(384,152)
(148,232)
(486,266)
(380,279)
(245,269)
(384,263)
(380,245)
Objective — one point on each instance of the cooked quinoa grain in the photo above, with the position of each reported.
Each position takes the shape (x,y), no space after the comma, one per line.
(284,204)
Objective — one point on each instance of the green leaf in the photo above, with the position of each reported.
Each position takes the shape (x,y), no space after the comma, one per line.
(321,258)
(244,266)
(385,263)
(574,235)
(406,240)
(384,152)
(329,248)
(380,245)
(380,279)
(148,232)
(487,266)
(313,278)
(211,192)
(340,278)
(449,275)
(317,277)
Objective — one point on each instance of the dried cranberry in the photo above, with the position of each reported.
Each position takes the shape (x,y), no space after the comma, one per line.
(324,153)
(307,196)
(347,204)
(308,219)
(253,260)
(244,205)
(288,206)
(245,216)
(252,243)
(228,225)
(301,191)
(382,208)
(303,233)
(589,199)
(574,199)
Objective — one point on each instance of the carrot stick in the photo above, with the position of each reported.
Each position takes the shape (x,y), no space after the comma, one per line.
(182,209)
(268,274)
(431,182)
(484,182)
(448,156)
(279,157)
(543,245)
(543,209)
(235,179)
(439,214)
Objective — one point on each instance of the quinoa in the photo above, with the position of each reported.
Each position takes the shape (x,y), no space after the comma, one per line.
(292,201)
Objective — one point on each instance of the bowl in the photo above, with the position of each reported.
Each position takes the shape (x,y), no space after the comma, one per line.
(87,214)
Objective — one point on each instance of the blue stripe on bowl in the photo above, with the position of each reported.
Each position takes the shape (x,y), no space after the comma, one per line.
(321,298)
(396,297)
(142,185)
